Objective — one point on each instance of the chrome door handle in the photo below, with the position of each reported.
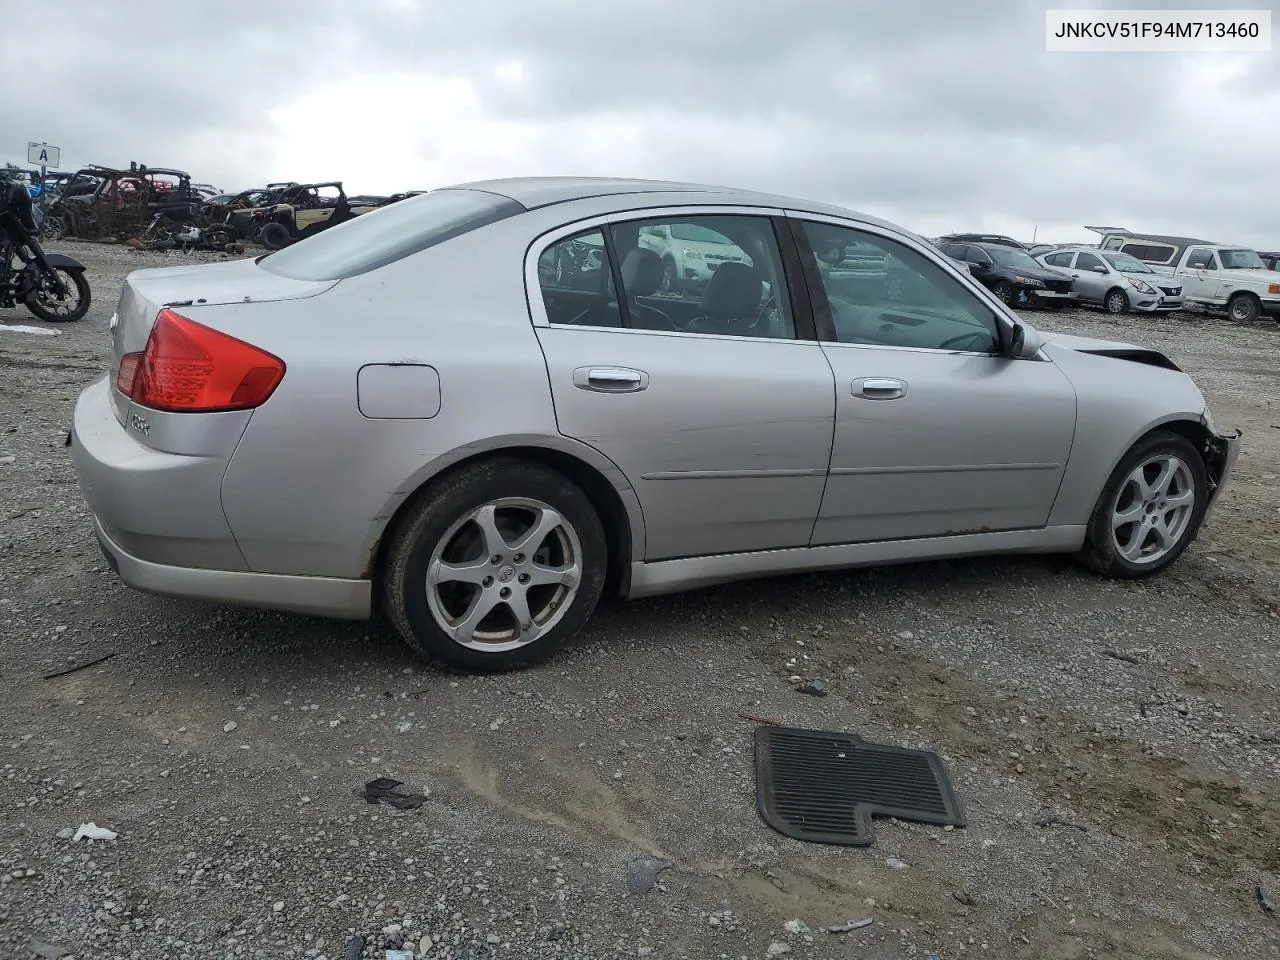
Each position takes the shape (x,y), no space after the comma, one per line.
(879,388)
(610,379)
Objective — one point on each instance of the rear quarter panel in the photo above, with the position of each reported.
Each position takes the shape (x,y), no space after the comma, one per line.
(313,481)
(1118,401)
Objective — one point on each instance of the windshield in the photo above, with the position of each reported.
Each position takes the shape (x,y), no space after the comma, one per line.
(387,234)
(1009,257)
(1241,260)
(692,231)
(1126,264)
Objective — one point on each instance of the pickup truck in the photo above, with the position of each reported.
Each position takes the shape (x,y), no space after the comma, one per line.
(1218,275)
(1230,278)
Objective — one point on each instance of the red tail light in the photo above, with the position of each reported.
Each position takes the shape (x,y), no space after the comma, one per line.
(190,368)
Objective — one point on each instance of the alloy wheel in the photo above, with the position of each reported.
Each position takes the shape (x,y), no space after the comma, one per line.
(504,574)
(1153,509)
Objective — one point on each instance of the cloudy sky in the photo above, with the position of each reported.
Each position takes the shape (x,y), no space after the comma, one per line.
(936,114)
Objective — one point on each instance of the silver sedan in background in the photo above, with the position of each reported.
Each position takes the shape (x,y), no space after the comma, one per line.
(421,412)
(1117,282)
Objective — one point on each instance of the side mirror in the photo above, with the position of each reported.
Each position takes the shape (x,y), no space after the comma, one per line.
(1024,342)
(1099,269)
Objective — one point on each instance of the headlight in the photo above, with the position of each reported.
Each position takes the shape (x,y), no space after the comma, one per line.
(1028,282)
(691,254)
(1141,286)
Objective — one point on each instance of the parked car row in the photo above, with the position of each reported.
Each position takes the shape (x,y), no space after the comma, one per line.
(1124,272)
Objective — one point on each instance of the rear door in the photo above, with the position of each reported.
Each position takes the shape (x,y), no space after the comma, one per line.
(937,432)
(716,403)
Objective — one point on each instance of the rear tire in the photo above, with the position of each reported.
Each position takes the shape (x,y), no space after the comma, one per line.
(1145,519)
(44,303)
(458,554)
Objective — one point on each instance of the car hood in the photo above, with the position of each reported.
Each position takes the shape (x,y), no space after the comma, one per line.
(1085,344)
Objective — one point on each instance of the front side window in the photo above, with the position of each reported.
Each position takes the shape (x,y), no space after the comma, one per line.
(914,303)
(1088,261)
(1201,260)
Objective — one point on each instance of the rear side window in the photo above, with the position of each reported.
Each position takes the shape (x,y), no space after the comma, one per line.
(391,233)
(1150,252)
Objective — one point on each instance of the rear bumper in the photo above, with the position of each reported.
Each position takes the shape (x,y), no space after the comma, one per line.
(159,520)
(319,596)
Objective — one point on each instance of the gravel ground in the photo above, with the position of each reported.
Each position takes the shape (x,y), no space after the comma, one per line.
(1115,745)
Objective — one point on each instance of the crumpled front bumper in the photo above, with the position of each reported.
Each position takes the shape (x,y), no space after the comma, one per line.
(1222,451)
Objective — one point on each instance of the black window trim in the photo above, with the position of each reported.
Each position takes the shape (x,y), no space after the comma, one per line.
(610,253)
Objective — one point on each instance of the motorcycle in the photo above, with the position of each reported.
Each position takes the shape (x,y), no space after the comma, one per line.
(51,285)
(181,226)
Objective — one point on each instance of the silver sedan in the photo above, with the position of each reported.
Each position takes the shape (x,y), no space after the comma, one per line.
(1115,281)
(422,412)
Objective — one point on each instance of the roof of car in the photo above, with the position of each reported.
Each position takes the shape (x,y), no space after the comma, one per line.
(532,192)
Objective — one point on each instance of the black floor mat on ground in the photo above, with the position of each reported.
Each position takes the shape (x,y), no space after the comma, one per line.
(825,787)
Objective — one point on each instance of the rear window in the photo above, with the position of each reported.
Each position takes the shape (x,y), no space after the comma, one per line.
(383,236)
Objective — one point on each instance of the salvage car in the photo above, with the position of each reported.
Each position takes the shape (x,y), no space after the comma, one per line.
(121,205)
(412,414)
(303,211)
(1115,281)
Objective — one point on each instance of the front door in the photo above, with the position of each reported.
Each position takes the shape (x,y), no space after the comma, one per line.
(1091,277)
(937,433)
(1200,278)
(705,398)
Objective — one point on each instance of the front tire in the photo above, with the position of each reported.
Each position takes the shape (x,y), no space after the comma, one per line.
(495,567)
(1150,509)
(275,236)
(1004,290)
(46,304)
(1116,301)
